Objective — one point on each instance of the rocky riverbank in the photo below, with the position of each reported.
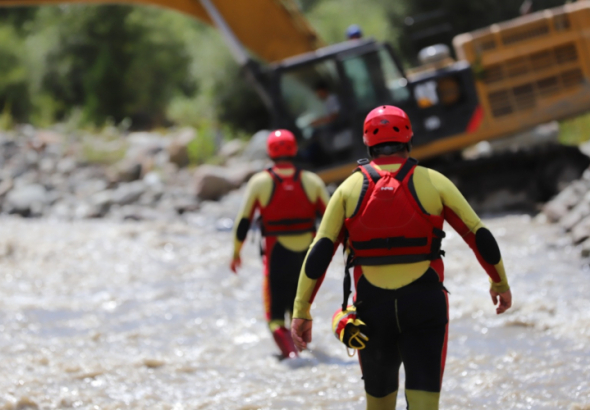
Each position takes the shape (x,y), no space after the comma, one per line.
(570,209)
(137,176)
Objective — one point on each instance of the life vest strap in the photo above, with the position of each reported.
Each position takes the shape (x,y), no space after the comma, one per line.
(276,177)
(289,232)
(388,243)
(405,169)
(375,176)
(294,221)
(392,259)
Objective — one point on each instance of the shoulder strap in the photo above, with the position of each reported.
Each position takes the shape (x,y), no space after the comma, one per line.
(297,174)
(274,175)
(375,176)
(405,169)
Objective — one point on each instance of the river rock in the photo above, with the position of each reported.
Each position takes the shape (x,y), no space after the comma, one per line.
(581,231)
(256,148)
(231,149)
(128,193)
(178,148)
(90,187)
(212,182)
(27,200)
(67,165)
(559,206)
(5,185)
(579,212)
(127,170)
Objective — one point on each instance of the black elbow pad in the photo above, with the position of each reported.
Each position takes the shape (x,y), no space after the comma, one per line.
(243,228)
(319,258)
(487,246)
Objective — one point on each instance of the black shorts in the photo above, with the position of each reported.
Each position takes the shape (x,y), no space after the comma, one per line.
(406,325)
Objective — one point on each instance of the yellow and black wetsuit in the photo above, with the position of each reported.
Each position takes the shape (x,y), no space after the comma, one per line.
(283,253)
(404,305)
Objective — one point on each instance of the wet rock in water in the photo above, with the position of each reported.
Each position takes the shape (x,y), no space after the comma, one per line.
(212,182)
(27,200)
(256,148)
(138,213)
(128,193)
(231,149)
(178,148)
(585,249)
(581,231)
(26,403)
(579,212)
(559,206)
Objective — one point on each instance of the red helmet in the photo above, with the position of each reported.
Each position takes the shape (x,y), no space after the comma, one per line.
(387,124)
(281,143)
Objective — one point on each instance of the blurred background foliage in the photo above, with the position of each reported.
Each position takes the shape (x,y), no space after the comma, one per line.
(146,67)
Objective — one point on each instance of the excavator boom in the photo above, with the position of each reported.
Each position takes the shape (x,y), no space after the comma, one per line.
(271,29)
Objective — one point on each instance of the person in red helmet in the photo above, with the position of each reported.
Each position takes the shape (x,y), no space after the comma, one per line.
(392,212)
(288,201)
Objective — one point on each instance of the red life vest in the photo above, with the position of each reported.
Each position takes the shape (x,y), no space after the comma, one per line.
(389,225)
(289,210)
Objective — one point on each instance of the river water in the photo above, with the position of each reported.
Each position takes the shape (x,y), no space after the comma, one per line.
(146,315)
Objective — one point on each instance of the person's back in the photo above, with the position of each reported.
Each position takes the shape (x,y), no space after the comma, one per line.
(288,201)
(392,212)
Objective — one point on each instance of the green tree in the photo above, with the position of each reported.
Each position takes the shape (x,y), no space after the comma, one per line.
(14,93)
(115,61)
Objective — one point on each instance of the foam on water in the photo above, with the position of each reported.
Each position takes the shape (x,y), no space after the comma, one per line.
(99,315)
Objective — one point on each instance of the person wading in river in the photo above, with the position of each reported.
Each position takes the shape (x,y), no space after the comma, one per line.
(289,200)
(392,213)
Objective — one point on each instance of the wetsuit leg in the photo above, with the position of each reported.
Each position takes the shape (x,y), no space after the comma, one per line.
(423,319)
(283,276)
(409,326)
(381,359)
(284,268)
(269,244)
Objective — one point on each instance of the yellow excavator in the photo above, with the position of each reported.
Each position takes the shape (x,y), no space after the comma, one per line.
(507,78)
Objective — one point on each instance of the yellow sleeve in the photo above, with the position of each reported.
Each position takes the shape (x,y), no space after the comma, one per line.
(316,190)
(459,214)
(322,248)
(259,187)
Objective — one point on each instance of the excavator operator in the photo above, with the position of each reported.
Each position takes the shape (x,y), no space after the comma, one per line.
(392,212)
(289,200)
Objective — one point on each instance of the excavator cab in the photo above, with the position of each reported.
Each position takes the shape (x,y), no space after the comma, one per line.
(324,96)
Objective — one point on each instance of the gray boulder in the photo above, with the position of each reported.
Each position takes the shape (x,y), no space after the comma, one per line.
(231,149)
(581,231)
(27,200)
(256,148)
(559,206)
(212,182)
(128,193)
(579,212)
(178,148)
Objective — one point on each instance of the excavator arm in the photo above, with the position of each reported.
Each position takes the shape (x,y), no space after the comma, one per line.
(271,29)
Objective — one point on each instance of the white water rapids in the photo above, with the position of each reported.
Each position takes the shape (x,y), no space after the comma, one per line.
(146,315)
